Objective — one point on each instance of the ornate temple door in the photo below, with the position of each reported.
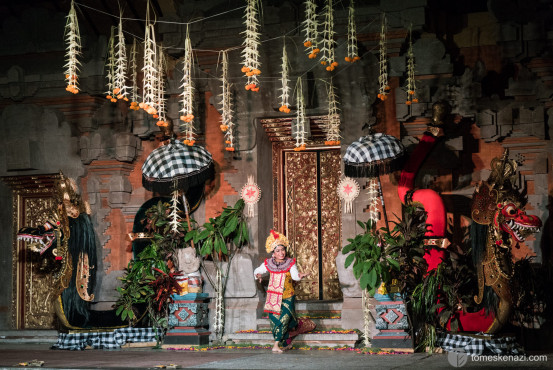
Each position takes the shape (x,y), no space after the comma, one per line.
(312,219)
(32,306)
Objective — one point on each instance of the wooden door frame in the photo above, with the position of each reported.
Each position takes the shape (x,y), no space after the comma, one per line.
(279,133)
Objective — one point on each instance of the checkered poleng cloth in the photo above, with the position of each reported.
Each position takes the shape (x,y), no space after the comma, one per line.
(105,339)
(373,148)
(478,346)
(175,159)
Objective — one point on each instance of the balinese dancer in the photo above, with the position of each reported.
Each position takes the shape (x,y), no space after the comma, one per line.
(280,302)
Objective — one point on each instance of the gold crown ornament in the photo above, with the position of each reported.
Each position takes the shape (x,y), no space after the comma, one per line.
(275,239)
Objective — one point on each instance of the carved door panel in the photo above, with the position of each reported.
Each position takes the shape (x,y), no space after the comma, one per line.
(34,298)
(313,221)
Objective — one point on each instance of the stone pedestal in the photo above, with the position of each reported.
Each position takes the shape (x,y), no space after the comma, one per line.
(188,315)
(391,320)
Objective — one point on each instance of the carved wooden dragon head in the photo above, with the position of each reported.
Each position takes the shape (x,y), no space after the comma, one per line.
(499,203)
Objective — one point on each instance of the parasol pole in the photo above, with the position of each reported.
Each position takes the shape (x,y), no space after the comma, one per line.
(187,213)
(382,201)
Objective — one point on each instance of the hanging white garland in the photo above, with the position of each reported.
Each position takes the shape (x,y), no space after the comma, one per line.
(72,37)
(373,195)
(300,118)
(161,101)
(383,62)
(285,89)
(227,121)
(149,67)
(411,84)
(120,74)
(110,67)
(311,29)
(366,318)
(327,50)
(332,126)
(134,76)
(219,320)
(187,101)
(352,56)
(174,215)
(250,53)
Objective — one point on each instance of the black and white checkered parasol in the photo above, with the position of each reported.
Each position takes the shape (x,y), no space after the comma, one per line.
(373,155)
(176,166)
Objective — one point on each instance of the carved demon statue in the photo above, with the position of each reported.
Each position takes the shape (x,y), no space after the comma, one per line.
(67,245)
(499,224)
(498,205)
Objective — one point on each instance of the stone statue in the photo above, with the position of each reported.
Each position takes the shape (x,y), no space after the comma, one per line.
(189,264)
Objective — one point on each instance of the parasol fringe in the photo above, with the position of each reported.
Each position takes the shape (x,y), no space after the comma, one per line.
(373,169)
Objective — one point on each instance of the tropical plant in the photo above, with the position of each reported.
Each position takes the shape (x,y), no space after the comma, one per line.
(220,239)
(406,241)
(159,222)
(372,265)
(136,289)
(148,284)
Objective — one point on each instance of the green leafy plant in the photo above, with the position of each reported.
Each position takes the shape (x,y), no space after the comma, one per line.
(136,289)
(219,240)
(158,223)
(372,263)
(406,242)
(147,284)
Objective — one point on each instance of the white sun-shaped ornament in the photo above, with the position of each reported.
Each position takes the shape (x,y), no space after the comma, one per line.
(348,190)
(250,193)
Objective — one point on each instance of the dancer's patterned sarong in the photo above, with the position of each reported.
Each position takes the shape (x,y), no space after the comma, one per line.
(286,321)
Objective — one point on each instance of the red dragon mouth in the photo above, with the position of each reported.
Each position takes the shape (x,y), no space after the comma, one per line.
(520,231)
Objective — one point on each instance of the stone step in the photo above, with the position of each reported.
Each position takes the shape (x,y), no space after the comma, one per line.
(321,323)
(318,306)
(28,336)
(310,339)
